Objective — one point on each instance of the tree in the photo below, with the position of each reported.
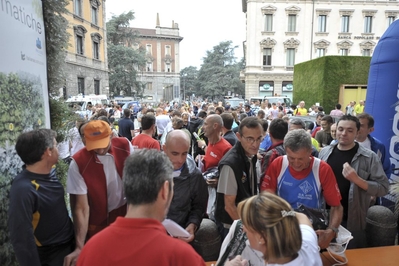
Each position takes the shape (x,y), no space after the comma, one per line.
(57,39)
(189,81)
(220,72)
(124,61)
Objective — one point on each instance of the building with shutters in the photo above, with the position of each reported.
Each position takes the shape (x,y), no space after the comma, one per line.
(161,75)
(86,59)
(281,34)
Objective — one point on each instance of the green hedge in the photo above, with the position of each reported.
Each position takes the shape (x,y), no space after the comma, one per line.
(6,251)
(319,80)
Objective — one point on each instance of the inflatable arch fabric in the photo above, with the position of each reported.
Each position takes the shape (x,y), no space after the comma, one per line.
(382,99)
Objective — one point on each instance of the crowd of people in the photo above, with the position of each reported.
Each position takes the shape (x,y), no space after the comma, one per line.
(247,168)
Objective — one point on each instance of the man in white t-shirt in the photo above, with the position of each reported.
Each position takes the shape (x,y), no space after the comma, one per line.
(161,122)
(95,183)
(140,114)
(366,140)
(75,140)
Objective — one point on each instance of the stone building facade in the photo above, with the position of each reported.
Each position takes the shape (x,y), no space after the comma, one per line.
(283,33)
(86,59)
(161,74)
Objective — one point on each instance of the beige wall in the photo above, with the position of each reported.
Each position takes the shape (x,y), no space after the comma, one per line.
(86,66)
(85,21)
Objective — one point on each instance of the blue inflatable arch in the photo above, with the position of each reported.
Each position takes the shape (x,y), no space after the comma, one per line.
(382,99)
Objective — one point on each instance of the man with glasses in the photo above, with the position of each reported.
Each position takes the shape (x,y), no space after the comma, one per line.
(238,179)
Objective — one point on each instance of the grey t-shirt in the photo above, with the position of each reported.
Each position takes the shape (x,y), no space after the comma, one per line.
(227,182)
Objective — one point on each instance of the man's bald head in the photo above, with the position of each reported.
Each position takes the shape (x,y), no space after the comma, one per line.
(212,125)
(176,147)
(177,136)
(216,119)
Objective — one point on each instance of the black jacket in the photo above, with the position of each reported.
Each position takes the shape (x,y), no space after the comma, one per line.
(239,162)
(190,196)
(230,137)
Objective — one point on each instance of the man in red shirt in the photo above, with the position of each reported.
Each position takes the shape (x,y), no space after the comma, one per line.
(145,139)
(217,147)
(301,178)
(139,238)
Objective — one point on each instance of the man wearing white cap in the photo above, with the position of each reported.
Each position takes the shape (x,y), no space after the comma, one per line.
(95,183)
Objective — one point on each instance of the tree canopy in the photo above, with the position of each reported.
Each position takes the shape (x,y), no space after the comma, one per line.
(220,72)
(189,81)
(125,58)
(57,39)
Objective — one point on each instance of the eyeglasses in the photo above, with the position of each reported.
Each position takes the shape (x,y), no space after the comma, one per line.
(252,140)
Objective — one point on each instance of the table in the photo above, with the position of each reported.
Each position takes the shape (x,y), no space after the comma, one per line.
(379,256)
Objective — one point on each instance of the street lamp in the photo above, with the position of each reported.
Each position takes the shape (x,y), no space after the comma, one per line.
(184,86)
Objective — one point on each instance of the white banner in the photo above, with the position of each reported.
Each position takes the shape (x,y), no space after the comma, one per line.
(23,53)
(23,76)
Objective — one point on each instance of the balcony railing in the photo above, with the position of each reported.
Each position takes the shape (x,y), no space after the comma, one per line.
(267,68)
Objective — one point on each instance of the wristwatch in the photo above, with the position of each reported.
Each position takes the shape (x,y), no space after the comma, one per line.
(335,230)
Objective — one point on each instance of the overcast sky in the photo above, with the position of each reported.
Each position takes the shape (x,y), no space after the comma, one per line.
(202,24)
